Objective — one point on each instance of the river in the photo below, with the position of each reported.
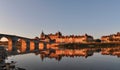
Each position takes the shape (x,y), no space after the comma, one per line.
(69,59)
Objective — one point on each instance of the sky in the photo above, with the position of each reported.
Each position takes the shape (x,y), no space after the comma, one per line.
(28,18)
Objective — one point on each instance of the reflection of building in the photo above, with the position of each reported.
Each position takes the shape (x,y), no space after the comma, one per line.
(59,38)
(58,54)
(111,51)
(111,38)
(84,52)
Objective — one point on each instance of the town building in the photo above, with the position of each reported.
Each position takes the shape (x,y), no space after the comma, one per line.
(59,38)
(111,38)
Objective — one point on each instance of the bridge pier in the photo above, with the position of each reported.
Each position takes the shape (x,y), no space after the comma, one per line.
(12,44)
(28,45)
(45,46)
(36,45)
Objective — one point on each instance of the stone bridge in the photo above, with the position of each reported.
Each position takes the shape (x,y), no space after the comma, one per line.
(26,43)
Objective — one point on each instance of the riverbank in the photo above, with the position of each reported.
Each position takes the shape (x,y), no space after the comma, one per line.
(89,44)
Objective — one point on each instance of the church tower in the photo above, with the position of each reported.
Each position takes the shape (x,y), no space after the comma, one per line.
(42,35)
(59,34)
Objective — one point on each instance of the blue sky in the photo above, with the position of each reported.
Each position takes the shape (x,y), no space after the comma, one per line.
(29,17)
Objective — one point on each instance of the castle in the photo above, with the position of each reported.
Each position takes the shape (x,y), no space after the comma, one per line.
(59,38)
(111,38)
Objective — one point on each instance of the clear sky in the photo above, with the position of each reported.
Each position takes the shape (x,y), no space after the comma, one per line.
(29,17)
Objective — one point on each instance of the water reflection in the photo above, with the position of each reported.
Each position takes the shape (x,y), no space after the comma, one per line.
(60,54)
(81,52)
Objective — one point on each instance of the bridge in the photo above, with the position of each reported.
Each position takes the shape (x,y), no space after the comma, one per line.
(26,43)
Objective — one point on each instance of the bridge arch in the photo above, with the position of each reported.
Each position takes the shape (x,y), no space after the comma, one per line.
(9,42)
(4,41)
(21,44)
(32,45)
(42,46)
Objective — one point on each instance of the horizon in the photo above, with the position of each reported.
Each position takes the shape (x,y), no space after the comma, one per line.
(62,34)
(28,18)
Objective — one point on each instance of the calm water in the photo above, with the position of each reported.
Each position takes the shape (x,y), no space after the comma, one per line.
(82,59)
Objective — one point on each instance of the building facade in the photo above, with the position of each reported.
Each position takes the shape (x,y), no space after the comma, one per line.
(111,38)
(59,38)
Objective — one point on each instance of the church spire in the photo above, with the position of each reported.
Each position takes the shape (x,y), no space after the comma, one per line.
(42,34)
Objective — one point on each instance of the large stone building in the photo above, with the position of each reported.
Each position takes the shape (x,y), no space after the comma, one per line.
(111,38)
(59,38)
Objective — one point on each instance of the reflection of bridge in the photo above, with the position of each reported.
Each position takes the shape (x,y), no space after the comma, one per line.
(26,43)
(82,52)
